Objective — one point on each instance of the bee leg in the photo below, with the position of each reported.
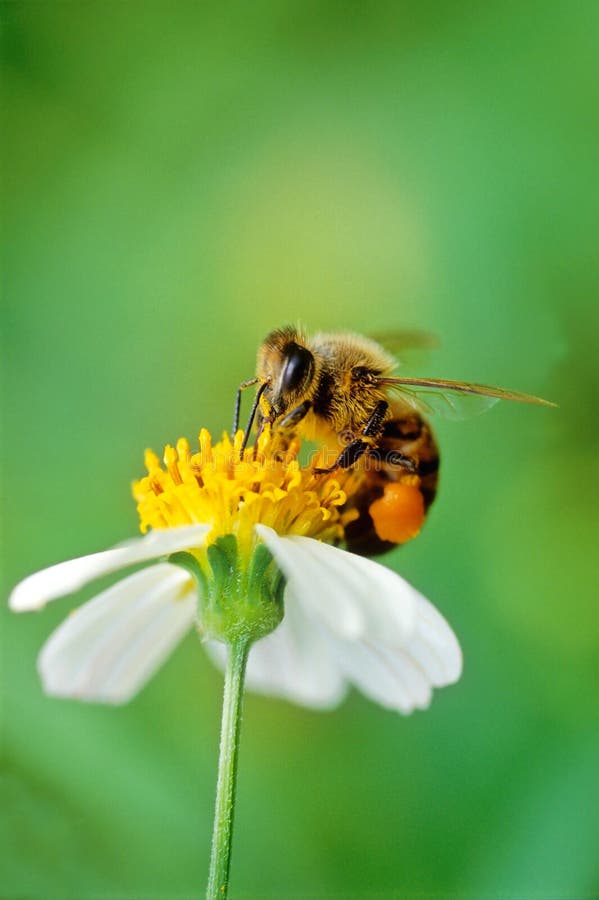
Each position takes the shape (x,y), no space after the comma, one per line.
(348,456)
(261,422)
(240,389)
(358,447)
(393,458)
(253,411)
(374,425)
(283,429)
(296,415)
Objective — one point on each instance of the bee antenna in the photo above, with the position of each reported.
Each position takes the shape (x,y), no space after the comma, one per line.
(248,427)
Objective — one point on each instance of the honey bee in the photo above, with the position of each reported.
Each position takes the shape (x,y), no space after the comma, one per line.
(339,390)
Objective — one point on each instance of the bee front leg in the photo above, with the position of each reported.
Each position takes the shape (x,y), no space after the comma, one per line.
(295,416)
(358,447)
(240,389)
(284,429)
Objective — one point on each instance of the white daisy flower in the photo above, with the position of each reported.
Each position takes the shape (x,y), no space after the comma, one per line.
(224,530)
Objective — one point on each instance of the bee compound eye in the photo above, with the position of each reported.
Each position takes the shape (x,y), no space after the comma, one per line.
(298,367)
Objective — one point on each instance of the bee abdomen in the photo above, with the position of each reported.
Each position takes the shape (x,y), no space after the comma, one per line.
(407,436)
(412,437)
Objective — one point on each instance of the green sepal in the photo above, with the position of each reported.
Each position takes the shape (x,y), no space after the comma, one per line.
(223,560)
(188,562)
(240,597)
(265,581)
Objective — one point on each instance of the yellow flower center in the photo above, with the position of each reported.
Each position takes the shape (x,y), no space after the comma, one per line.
(231,492)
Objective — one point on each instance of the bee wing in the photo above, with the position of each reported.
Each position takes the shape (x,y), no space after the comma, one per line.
(396,342)
(410,347)
(453,399)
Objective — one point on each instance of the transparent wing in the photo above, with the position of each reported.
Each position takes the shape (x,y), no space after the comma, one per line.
(453,399)
(410,346)
(408,339)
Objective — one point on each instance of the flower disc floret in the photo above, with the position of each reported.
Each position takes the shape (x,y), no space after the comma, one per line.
(233,491)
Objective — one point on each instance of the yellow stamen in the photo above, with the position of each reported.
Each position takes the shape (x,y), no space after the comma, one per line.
(232,494)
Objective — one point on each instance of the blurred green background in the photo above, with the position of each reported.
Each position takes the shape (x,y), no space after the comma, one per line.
(177,181)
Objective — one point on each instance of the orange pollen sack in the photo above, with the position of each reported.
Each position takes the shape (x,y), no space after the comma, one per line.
(398,515)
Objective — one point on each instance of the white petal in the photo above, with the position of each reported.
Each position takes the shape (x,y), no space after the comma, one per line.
(434,646)
(402,678)
(353,596)
(385,636)
(294,662)
(108,648)
(382,675)
(66,577)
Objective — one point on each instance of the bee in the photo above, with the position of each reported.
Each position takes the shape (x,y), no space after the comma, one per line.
(340,390)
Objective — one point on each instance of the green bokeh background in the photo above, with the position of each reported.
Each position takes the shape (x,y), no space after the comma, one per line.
(177,181)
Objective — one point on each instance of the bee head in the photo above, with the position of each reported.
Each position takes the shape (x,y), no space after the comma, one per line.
(289,367)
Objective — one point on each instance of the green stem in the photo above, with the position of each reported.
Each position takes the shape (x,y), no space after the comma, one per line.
(220,859)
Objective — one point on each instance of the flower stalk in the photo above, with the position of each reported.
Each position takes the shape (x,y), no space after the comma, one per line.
(220,858)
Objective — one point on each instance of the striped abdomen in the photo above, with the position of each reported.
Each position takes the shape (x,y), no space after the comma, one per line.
(406,434)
